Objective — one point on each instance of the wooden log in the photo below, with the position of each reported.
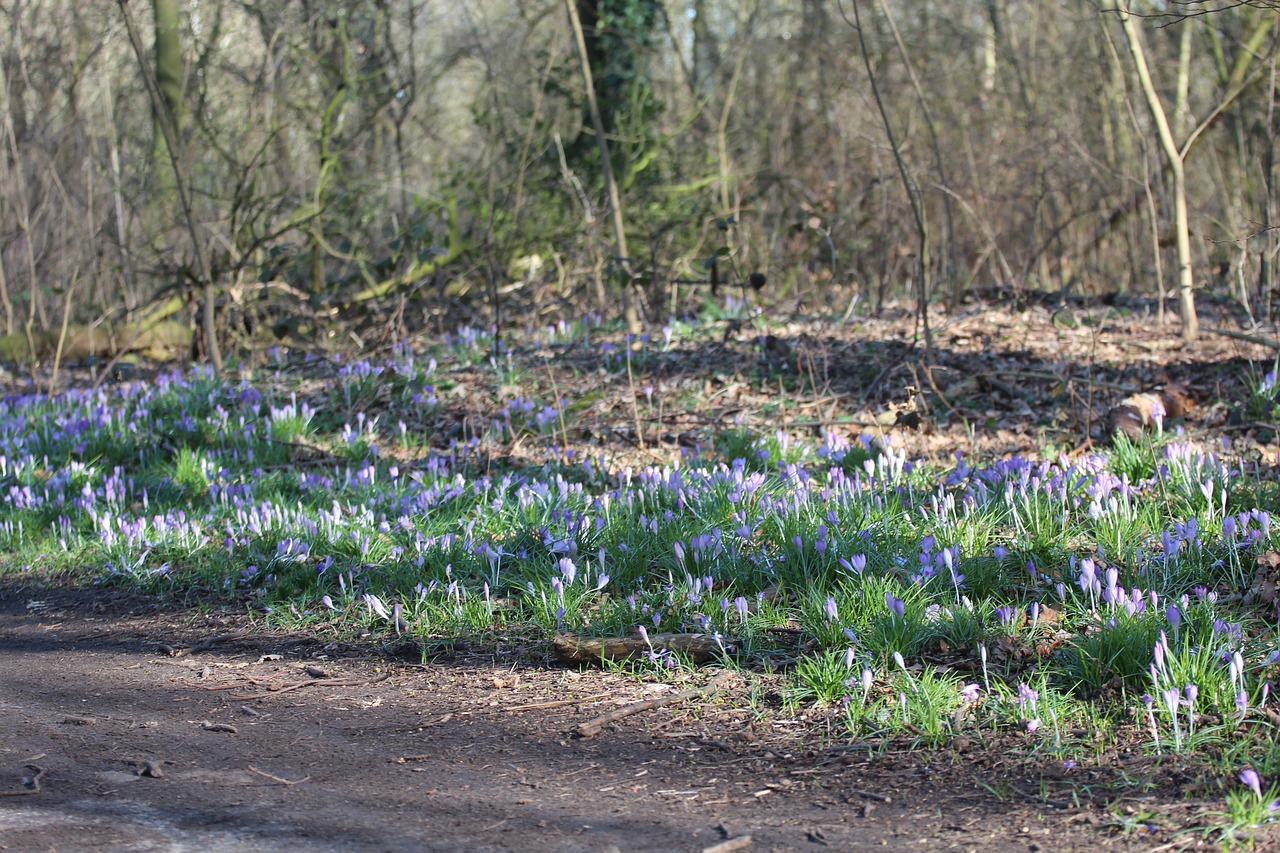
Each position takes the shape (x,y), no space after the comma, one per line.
(575,649)
(153,333)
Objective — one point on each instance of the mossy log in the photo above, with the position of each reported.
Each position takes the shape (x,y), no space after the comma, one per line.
(154,334)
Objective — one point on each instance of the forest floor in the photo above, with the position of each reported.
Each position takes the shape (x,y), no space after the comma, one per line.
(111,743)
(123,732)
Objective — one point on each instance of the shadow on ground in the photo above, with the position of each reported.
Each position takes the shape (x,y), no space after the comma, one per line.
(238,748)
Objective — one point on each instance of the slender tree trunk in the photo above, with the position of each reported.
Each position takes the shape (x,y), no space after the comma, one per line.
(1182,86)
(1268,208)
(706,54)
(168,51)
(909,186)
(170,133)
(949,234)
(6,110)
(1177,166)
(623,259)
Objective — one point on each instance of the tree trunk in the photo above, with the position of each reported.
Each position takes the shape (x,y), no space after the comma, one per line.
(909,185)
(169,130)
(706,53)
(630,309)
(168,50)
(1177,165)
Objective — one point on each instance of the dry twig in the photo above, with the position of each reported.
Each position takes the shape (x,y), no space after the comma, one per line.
(31,783)
(274,778)
(593,727)
(203,645)
(298,685)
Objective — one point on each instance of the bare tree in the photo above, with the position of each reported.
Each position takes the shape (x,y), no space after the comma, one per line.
(396,164)
(168,126)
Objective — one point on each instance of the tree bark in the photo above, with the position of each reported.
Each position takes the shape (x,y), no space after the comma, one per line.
(1177,166)
(168,51)
(630,309)
(170,132)
(909,185)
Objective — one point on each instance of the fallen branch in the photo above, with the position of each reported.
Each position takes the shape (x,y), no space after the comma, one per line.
(219,727)
(31,783)
(1242,336)
(571,648)
(593,727)
(201,646)
(274,778)
(298,685)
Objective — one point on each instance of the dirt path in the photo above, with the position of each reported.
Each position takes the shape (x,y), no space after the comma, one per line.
(140,751)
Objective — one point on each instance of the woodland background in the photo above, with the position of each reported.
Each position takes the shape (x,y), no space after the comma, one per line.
(367,169)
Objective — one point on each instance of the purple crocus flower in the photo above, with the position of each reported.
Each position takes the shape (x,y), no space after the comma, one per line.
(896,605)
(1088,576)
(969,693)
(568,569)
(832,612)
(1157,414)
(375,604)
(1250,778)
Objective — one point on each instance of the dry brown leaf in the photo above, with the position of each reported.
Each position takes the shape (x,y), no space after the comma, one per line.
(1265,580)
(1136,413)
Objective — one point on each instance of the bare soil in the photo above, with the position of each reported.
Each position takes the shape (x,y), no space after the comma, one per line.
(110,742)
